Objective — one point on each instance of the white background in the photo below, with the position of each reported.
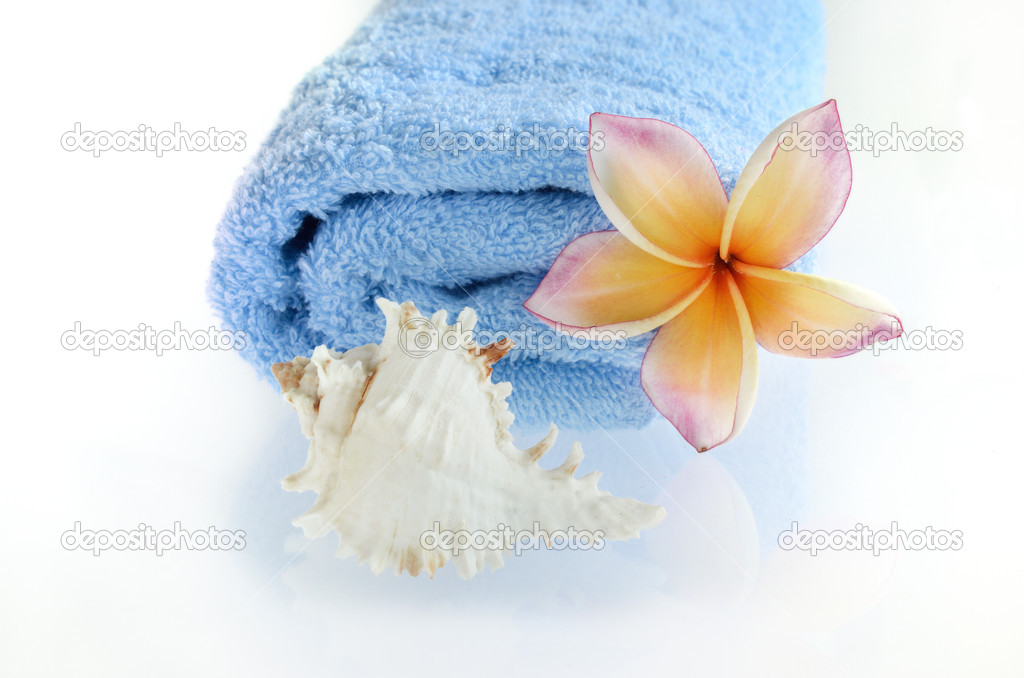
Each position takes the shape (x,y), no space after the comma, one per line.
(926,438)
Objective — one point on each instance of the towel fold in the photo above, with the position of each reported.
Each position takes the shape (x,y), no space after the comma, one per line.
(440,157)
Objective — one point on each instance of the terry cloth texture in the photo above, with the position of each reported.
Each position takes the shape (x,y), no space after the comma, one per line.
(440,157)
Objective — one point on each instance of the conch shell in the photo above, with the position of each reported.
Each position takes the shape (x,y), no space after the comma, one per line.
(411,437)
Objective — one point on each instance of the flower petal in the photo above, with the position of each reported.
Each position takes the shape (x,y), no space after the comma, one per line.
(808,316)
(788,197)
(658,186)
(701,369)
(603,281)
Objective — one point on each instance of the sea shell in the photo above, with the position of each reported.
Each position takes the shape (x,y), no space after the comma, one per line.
(411,437)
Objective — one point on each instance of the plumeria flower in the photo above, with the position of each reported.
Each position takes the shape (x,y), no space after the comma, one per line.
(707,269)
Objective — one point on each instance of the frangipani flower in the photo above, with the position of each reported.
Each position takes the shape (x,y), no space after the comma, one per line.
(707,269)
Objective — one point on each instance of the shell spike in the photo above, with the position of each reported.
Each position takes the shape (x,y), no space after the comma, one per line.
(467,320)
(541,448)
(568,467)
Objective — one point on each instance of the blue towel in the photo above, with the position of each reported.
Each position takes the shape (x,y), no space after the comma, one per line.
(437,157)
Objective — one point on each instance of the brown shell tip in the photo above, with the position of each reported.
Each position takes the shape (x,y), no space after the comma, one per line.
(288,375)
(493,352)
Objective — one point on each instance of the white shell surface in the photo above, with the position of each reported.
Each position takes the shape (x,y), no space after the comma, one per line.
(411,437)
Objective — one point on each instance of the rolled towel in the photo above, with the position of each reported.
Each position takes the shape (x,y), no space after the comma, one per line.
(440,157)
